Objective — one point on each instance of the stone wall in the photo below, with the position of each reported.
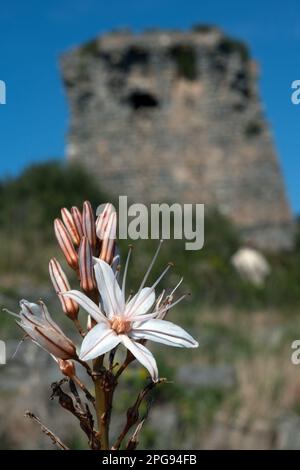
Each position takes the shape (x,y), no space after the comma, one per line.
(173,116)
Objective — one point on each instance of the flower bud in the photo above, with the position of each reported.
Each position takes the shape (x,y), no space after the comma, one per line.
(77,218)
(109,239)
(65,243)
(36,321)
(104,212)
(86,269)
(88,224)
(70,226)
(67,367)
(61,285)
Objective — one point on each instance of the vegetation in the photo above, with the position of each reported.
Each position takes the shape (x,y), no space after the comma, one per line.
(204,28)
(90,48)
(186,61)
(30,202)
(28,206)
(234,46)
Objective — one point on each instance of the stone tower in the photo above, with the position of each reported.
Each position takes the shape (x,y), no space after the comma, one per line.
(167,116)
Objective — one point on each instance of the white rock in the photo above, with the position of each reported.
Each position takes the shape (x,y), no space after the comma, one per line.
(251,265)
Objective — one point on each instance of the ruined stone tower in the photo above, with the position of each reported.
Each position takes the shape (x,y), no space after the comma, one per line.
(168,116)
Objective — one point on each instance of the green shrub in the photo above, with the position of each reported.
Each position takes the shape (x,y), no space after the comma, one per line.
(185,58)
(28,205)
(204,28)
(30,202)
(90,48)
(233,46)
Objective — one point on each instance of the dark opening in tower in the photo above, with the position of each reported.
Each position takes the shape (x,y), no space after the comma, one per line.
(142,100)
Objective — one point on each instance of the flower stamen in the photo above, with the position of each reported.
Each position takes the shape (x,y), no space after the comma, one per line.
(120,325)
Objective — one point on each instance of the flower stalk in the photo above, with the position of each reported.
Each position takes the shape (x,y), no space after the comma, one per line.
(101,402)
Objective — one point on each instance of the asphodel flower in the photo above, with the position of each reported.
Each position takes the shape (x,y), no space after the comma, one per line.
(88,224)
(77,218)
(86,269)
(109,239)
(106,229)
(69,222)
(37,323)
(61,284)
(103,218)
(128,322)
(66,244)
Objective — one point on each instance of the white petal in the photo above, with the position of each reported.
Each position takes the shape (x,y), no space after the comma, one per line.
(30,308)
(139,335)
(98,341)
(48,340)
(87,304)
(111,294)
(165,332)
(32,311)
(143,355)
(141,303)
(31,334)
(48,319)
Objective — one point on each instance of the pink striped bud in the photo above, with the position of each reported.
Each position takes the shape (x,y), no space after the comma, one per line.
(109,239)
(86,270)
(61,285)
(104,212)
(70,226)
(65,243)
(88,224)
(77,217)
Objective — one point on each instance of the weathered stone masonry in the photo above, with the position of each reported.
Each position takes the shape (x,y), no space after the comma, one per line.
(173,116)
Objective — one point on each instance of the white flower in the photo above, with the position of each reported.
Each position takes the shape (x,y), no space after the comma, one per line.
(128,322)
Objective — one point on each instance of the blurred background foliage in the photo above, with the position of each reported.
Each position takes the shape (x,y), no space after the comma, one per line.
(30,202)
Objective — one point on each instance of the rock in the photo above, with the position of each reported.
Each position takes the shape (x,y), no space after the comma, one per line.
(251,265)
(288,433)
(163,421)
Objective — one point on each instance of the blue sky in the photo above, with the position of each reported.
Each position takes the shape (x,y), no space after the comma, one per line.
(34,122)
